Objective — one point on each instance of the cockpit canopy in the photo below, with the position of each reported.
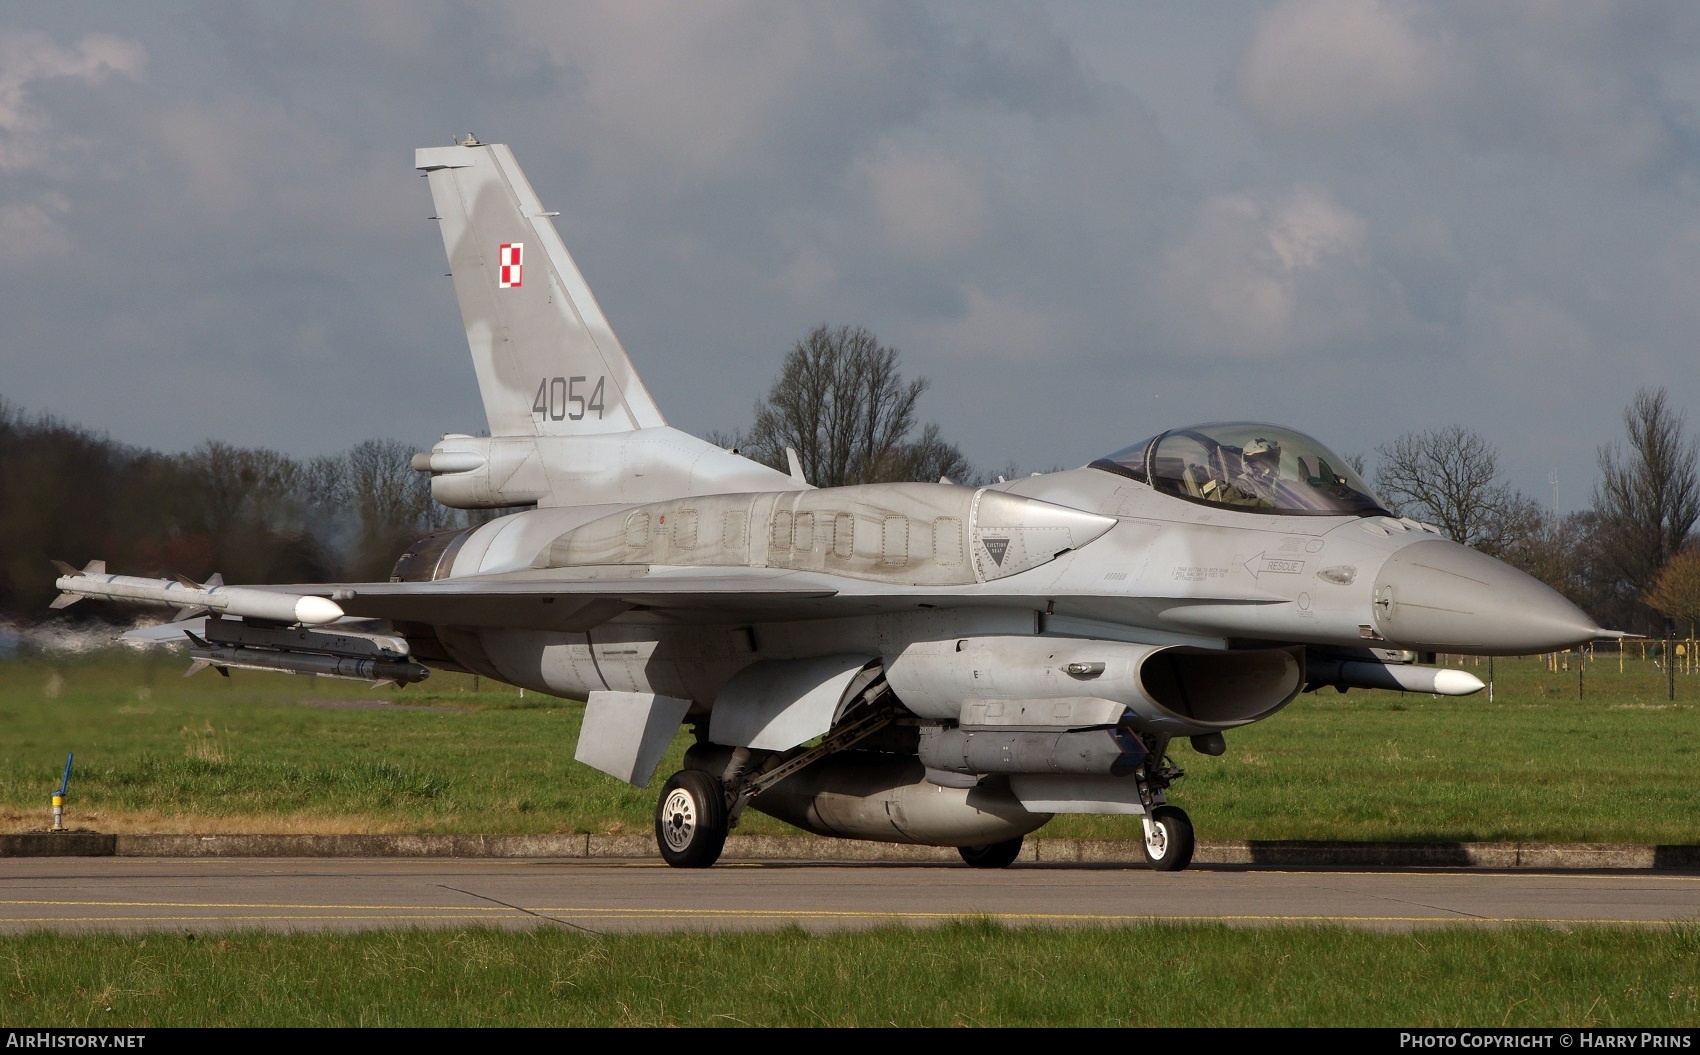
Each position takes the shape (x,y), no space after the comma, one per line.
(1250,466)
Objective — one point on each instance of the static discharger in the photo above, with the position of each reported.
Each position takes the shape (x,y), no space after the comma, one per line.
(190,597)
(59,795)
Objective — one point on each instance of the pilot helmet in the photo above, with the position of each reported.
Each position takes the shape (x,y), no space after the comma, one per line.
(1263,455)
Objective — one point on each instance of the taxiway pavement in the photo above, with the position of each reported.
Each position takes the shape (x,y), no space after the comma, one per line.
(209,894)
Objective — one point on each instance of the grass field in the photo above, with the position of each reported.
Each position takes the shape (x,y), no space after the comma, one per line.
(276,753)
(972,973)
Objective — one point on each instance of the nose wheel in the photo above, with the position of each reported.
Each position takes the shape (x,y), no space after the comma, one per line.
(1168,839)
(690,819)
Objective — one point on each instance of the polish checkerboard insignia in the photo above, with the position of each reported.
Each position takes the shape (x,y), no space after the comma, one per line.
(511,274)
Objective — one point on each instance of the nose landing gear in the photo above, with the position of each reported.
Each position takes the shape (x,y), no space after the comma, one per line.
(1168,842)
(1168,839)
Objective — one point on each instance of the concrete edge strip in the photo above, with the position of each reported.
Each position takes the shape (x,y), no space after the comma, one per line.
(1261,853)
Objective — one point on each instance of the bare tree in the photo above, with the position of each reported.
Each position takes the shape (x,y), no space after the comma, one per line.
(1648,496)
(842,403)
(237,484)
(1449,477)
(932,457)
(1676,592)
(392,501)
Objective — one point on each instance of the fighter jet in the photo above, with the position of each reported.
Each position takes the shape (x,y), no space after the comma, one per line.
(907,662)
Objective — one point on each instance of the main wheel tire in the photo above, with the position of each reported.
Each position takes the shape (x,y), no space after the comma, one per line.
(690,819)
(992,855)
(1168,842)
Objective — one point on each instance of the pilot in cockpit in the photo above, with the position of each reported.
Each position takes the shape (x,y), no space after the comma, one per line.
(1262,475)
(1247,477)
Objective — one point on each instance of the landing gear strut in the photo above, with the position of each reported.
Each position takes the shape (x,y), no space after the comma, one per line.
(697,809)
(1168,842)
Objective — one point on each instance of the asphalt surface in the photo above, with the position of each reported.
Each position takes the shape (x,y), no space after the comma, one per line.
(614,895)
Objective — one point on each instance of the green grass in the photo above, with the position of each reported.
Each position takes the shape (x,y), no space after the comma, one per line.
(973,972)
(271,753)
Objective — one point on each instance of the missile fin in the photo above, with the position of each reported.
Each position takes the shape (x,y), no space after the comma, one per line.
(383,682)
(65,600)
(186,581)
(196,641)
(95,567)
(196,667)
(214,581)
(188,612)
(66,568)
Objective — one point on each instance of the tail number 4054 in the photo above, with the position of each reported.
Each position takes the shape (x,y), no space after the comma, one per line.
(564,398)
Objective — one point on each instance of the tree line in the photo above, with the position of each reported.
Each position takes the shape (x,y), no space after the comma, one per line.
(254,515)
(843,405)
(1630,560)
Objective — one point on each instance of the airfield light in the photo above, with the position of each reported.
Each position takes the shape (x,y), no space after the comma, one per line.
(59,795)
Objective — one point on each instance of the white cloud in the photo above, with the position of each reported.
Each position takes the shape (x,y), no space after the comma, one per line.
(1319,67)
(1262,277)
(925,202)
(808,279)
(1532,333)
(29,59)
(1582,80)
(668,95)
(31,235)
(992,328)
(240,164)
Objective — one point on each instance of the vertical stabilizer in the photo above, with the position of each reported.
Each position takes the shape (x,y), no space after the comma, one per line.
(548,363)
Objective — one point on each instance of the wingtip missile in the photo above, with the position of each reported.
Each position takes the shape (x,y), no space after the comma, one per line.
(185,594)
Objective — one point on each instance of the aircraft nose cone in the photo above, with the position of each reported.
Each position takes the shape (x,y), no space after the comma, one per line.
(1438,596)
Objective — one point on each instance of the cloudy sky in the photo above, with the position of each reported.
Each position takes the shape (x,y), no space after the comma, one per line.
(1085,222)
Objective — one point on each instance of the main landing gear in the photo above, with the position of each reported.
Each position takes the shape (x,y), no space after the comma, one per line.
(992,855)
(697,809)
(690,819)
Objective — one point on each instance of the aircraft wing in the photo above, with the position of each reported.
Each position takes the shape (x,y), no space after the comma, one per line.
(579,598)
(547,599)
